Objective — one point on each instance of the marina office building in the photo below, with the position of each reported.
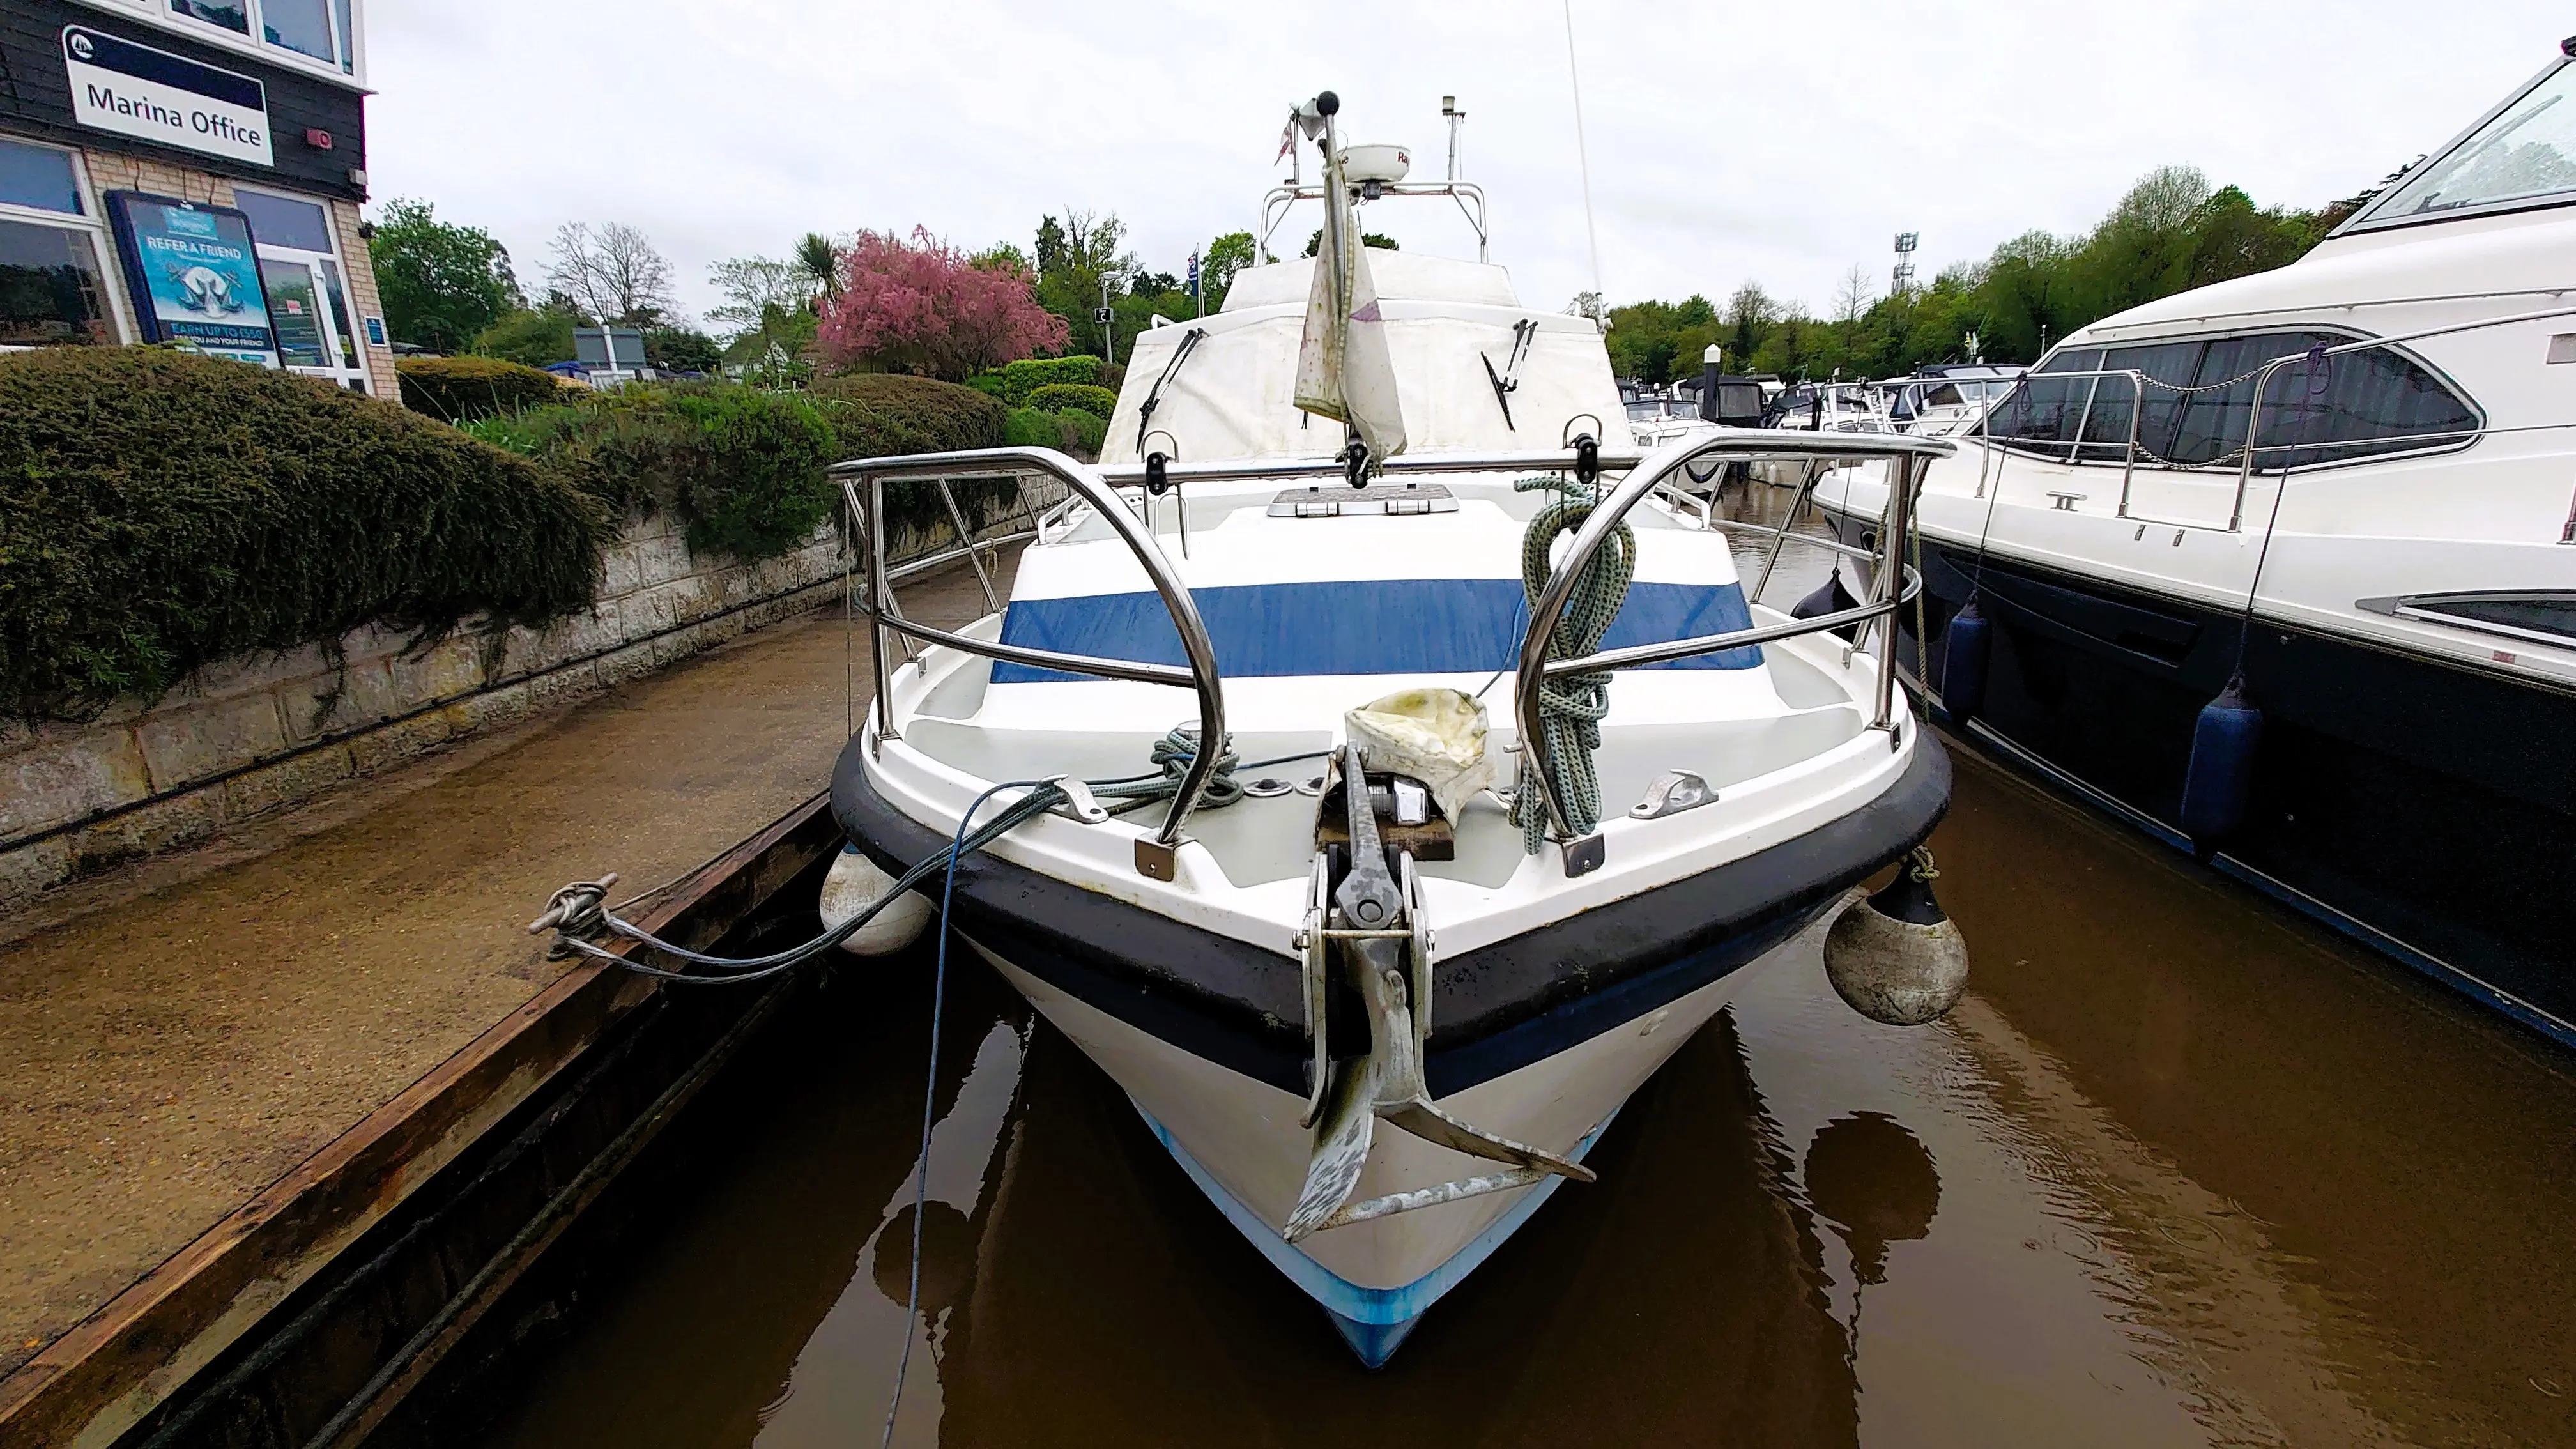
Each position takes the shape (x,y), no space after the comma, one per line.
(189,171)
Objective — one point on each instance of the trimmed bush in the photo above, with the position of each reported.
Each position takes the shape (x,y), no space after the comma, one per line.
(882,413)
(1072,431)
(1055,397)
(760,490)
(1027,375)
(455,389)
(1086,431)
(160,511)
(990,384)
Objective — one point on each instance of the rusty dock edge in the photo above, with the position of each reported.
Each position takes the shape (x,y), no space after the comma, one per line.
(305,1316)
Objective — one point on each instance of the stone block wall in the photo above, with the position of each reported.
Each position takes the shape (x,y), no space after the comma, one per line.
(269,730)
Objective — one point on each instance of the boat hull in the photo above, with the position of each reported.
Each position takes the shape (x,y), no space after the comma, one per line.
(2425,808)
(1239,1140)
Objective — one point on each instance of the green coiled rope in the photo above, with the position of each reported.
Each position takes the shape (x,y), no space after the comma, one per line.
(1572,706)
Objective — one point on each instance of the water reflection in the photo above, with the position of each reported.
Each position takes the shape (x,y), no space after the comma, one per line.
(1874,1182)
(2177,1172)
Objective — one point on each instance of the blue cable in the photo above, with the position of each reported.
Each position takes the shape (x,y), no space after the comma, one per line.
(930,1093)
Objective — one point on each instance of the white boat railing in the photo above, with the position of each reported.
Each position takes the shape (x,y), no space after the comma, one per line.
(1894,585)
(2244,455)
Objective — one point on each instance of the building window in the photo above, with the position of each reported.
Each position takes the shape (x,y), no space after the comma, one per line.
(233,15)
(302,26)
(53,286)
(318,29)
(300,269)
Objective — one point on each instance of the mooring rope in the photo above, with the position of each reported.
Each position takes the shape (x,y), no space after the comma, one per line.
(1572,706)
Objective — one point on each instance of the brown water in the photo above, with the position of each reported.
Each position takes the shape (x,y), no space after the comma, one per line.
(2180,1170)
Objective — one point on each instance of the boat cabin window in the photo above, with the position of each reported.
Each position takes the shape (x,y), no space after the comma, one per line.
(2523,155)
(2198,395)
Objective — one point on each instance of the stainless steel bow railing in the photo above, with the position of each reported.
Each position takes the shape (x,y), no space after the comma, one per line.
(1892,585)
(863,483)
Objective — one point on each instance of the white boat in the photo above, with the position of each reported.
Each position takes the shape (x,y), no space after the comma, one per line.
(2389,571)
(1379,1062)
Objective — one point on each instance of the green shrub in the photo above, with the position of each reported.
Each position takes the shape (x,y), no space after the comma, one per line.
(1100,402)
(990,384)
(760,490)
(1071,431)
(1085,430)
(880,413)
(454,389)
(159,511)
(1027,375)
(1029,428)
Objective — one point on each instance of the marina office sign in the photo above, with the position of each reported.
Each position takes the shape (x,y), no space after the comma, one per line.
(135,90)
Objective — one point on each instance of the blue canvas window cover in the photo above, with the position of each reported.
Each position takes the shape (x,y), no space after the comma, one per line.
(1376,626)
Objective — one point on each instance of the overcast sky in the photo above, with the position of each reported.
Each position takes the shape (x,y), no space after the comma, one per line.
(1780,142)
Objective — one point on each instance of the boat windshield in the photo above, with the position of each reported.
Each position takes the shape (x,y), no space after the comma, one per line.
(2525,153)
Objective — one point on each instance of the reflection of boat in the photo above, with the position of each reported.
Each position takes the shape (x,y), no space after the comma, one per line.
(1949,397)
(2390,567)
(1380,1004)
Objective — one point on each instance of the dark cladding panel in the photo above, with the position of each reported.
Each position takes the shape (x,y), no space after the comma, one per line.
(36,101)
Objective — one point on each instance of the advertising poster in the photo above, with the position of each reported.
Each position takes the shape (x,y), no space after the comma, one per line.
(194,275)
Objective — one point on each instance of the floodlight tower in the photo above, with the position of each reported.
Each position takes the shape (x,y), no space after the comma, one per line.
(1901,280)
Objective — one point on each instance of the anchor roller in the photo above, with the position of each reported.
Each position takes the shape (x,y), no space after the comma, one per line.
(853,885)
(1895,957)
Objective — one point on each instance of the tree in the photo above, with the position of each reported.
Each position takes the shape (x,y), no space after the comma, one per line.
(1379,240)
(442,284)
(923,306)
(538,337)
(681,349)
(767,318)
(818,259)
(1079,265)
(614,274)
(1224,257)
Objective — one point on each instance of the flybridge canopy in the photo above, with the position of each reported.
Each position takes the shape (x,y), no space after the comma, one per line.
(1447,323)
(1400,276)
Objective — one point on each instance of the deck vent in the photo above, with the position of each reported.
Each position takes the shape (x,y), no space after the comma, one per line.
(1395,499)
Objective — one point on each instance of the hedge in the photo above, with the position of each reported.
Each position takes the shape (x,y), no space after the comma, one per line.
(1055,397)
(1021,378)
(1073,431)
(743,468)
(160,511)
(456,389)
(886,413)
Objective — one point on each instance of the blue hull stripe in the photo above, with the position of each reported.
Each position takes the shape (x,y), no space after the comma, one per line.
(1375,626)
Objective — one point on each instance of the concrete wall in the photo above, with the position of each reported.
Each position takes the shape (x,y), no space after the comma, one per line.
(265,731)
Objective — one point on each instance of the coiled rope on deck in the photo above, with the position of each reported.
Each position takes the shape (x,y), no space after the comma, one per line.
(1572,706)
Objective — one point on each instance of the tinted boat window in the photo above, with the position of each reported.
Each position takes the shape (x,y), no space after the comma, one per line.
(2367,403)
(2045,412)
(2106,426)
(2212,427)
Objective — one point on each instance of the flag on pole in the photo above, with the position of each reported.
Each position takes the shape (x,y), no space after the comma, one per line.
(1345,370)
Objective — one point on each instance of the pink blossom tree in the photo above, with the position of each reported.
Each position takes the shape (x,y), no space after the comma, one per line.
(923,306)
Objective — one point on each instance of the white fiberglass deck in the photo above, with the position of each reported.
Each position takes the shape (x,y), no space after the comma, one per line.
(1313,617)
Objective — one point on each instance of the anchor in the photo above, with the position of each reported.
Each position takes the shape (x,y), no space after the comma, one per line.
(1378,922)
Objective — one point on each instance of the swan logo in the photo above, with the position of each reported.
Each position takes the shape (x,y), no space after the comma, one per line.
(208,291)
(81,46)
